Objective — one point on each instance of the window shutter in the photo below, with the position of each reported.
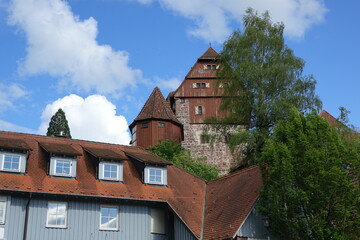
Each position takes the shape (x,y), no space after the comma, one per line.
(164,171)
(22,163)
(101,170)
(1,161)
(217,66)
(146,175)
(120,171)
(194,85)
(196,110)
(73,167)
(207,85)
(52,166)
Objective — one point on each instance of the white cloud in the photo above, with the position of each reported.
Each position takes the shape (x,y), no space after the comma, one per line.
(9,94)
(93,118)
(213,18)
(7,126)
(62,45)
(170,84)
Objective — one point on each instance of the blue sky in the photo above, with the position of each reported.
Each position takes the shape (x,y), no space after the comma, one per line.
(100,59)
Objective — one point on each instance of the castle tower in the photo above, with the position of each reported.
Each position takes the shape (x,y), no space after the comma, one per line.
(195,100)
(155,122)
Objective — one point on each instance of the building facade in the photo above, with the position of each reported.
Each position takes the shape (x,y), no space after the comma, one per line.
(65,189)
(196,99)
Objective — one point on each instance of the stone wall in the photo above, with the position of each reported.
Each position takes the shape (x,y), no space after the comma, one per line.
(215,152)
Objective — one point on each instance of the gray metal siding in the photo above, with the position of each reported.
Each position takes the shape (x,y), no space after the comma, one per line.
(83,220)
(181,231)
(14,219)
(253,227)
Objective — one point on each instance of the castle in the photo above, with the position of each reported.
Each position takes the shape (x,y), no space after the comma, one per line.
(181,116)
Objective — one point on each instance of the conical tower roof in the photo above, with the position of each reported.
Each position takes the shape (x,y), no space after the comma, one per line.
(156,107)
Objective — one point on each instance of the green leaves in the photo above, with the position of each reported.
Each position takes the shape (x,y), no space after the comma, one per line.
(264,78)
(311,181)
(58,125)
(177,155)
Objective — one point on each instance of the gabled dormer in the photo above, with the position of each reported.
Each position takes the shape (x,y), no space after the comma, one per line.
(62,159)
(13,155)
(152,168)
(109,164)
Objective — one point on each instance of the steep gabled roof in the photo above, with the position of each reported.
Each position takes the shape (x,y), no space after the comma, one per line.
(329,118)
(156,107)
(210,53)
(229,200)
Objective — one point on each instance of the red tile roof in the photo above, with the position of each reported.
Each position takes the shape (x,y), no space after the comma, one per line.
(13,144)
(229,200)
(156,107)
(198,71)
(330,118)
(59,148)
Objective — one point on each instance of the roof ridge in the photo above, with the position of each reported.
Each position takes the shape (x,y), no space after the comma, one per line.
(236,173)
(61,138)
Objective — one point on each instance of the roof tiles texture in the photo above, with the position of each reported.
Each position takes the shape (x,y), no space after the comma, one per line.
(199,71)
(156,107)
(228,199)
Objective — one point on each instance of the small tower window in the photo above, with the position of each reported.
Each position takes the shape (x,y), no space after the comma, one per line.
(145,125)
(161,124)
(198,110)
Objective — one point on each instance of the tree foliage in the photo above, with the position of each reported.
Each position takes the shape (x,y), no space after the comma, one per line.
(180,157)
(262,80)
(58,125)
(311,181)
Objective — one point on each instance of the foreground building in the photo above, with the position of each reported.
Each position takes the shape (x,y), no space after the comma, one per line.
(181,116)
(57,188)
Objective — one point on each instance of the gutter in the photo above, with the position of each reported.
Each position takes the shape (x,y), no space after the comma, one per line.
(26,217)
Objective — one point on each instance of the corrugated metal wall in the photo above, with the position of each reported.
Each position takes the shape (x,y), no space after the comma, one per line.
(14,219)
(181,231)
(83,219)
(253,227)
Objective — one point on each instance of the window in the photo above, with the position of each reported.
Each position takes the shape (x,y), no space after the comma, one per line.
(203,85)
(12,162)
(156,175)
(182,100)
(109,218)
(56,215)
(157,221)
(112,171)
(161,124)
(63,167)
(210,67)
(196,85)
(204,139)
(198,110)
(2,209)
(144,125)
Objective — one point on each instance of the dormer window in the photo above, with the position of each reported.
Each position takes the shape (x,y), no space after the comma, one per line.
(12,162)
(111,171)
(62,167)
(156,175)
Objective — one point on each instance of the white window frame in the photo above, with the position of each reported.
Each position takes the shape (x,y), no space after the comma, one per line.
(158,221)
(163,177)
(12,155)
(63,160)
(47,215)
(133,136)
(117,218)
(3,200)
(119,170)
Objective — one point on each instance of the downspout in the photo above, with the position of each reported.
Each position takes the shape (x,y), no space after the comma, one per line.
(26,218)
(203,215)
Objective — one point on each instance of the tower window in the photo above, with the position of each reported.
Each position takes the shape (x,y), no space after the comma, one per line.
(145,125)
(198,110)
(161,124)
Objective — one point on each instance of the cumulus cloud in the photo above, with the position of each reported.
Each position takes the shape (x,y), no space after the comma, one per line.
(63,46)
(213,19)
(93,118)
(9,94)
